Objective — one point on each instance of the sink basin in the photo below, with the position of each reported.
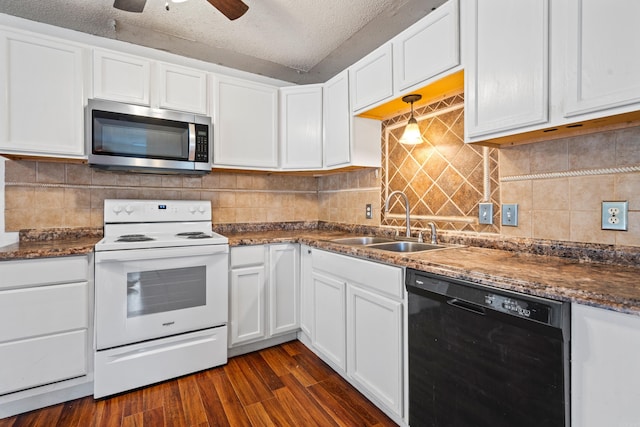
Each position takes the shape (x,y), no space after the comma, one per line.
(406,247)
(362,240)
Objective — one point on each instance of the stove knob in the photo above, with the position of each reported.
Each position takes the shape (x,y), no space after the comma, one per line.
(117,209)
(192,209)
(201,209)
(128,209)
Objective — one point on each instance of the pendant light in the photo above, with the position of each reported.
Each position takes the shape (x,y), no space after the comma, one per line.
(411,135)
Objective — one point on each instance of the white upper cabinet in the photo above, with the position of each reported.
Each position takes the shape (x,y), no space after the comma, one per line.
(337,121)
(181,88)
(507,65)
(245,118)
(603,56)
(371,78)
(41,96)
(427,48)
(301,127)
(121,77)
(136,80)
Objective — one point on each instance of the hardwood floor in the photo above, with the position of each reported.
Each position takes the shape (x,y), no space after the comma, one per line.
(286,385)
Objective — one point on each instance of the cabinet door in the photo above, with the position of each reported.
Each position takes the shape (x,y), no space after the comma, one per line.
(371,78)
(245,124)
(427,48)
(301,127)
(120,77)
(247,317)
(182,89)
(306,291)
(329,322)
(374,334)
(337,121)
(605,368)
(603,55)
(41,96)
(284,288)
(507,70)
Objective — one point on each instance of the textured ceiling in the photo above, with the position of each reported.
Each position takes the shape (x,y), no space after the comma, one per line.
(301,41)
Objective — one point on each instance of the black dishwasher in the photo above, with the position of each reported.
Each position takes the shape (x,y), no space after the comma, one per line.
(481,356)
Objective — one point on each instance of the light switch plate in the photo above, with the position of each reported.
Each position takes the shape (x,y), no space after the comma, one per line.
(485,213)
(614,215)
(510,214)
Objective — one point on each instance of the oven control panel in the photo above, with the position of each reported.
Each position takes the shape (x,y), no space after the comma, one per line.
(123,210)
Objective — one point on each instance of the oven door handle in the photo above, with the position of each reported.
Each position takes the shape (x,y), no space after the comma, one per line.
(159,253)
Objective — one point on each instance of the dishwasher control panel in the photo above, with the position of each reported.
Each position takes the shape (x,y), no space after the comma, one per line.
(527,309)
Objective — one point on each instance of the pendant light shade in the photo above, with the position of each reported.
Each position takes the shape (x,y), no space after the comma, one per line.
(411,135)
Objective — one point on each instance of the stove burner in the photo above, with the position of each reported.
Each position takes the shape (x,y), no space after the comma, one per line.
(134,238)
(194,235)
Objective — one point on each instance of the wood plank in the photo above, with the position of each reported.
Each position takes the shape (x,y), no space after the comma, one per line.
(296,409)
(263,369)
(173,412)
(133,420)
(230,402)
(282,364)
(110,411)
(152,397)
(153,417)
(352,399)
(307,400)
(248,385)
(134,403)
(258,415)
(78,413)
(191,401)
(279,414)
(342,416)
(210,399)
(316,368)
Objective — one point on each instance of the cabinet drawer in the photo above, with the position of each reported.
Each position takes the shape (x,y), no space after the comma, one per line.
(43,271)
(43,360)
(379,277)
(43,310)
(242,256)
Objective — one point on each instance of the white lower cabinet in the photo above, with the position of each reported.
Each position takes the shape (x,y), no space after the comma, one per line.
(45,332)
(374,353)
(358,318)
(605,367)
(329,321)
(264,292)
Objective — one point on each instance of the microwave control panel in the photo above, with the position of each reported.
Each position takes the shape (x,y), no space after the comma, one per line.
(202,143)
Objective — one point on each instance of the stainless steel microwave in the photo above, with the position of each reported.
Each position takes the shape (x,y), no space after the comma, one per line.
(131,137)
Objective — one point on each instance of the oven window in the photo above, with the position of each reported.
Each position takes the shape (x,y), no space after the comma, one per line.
(159,291)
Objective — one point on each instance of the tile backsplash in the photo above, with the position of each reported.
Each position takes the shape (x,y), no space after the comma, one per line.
(560,185)
(54,194)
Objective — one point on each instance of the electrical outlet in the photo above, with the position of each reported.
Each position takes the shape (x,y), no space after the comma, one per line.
(510,214)
(485,213)
(614,215)
(368,212)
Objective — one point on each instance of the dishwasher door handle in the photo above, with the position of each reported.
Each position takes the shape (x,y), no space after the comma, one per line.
(465,305)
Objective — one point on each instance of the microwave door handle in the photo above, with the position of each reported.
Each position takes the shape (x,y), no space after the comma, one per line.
(192,142)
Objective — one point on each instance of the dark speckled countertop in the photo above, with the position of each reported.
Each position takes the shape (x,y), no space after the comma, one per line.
(606,285)
(613,287)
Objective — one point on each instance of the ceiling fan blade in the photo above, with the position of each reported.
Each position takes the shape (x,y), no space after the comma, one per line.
(232,9)
(130,5)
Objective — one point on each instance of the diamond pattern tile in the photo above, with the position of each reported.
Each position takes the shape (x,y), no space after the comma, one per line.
(443,177)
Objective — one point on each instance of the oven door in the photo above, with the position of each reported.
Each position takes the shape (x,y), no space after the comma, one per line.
(143,294)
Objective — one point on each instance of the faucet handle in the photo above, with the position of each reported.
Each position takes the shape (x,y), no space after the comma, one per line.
(397,232)
(420,238)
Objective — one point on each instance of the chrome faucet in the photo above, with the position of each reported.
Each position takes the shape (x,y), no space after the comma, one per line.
(406,208)
(434,235)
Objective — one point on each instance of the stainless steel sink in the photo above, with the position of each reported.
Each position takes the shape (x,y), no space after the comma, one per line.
(406,246)
(362,240)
